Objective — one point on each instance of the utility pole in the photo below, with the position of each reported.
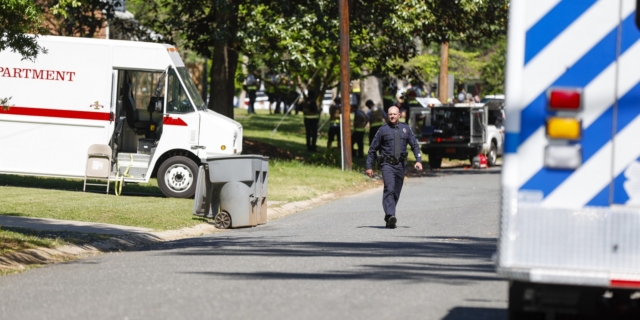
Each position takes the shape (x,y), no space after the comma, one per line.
(443,86)
(345,87)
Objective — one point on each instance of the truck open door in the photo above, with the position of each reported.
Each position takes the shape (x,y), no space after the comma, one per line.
(420,124)
(478,124)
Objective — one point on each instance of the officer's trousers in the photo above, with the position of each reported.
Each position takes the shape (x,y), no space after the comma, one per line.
(252,101)
(357,138)
(393,176)
(311,128)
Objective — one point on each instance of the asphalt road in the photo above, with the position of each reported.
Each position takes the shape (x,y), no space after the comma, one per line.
(333,262)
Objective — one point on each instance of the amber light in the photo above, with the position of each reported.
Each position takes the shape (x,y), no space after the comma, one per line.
(564,128)
(565,99)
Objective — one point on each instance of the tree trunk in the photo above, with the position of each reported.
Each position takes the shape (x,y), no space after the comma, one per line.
(371,89)
(224,63)
(443,86)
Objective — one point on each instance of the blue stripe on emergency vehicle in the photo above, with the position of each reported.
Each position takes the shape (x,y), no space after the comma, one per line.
(578,75)
(511,142)
(594,137)
(620,196)
(581,73)
(552,25)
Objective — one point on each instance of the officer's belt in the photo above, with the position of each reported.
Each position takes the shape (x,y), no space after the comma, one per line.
(392,160)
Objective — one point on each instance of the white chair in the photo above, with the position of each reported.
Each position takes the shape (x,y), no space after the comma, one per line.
(98,165)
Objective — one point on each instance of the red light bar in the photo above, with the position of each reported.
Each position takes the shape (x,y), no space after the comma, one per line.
(565,99)
(625,283)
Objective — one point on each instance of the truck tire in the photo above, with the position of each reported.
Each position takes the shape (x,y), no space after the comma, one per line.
(177,177)
(435,161)
(492,156)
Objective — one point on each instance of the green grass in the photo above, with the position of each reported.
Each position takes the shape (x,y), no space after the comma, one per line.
(57,198)
(142,205)
(16,239)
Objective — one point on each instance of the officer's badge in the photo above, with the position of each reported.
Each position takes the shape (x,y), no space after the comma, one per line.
(404,130)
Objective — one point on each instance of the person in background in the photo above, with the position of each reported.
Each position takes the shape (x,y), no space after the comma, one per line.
(357,136)
(334,123)
(311,119)
(252,86)
(377,118)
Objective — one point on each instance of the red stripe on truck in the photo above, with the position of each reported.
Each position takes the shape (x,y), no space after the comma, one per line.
(55,113)
(174,121)
(625,283)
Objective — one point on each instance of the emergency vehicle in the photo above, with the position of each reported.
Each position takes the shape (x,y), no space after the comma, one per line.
(136,97)
(460,131)
(570,220)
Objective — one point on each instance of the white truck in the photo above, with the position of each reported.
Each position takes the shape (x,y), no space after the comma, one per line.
(461,131)
(136,97)
(570,221)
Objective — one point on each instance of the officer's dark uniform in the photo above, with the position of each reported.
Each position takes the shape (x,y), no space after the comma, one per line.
(311,119)
(334,124)
(252,87)
(282,92)
(410,102)
(392,142)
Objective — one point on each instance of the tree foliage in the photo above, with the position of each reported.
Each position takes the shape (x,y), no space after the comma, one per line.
(18,19)
(493,72)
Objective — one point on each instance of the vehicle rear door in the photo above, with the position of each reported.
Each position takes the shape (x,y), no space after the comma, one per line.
(420,124)
(478,124)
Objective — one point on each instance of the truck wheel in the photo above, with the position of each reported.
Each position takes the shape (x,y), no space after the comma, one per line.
(492,156)
(177,177)
(435,161)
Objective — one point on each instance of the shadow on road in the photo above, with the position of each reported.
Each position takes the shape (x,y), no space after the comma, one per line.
(392,263)
(471,313)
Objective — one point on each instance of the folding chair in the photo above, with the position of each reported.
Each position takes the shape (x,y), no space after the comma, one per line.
(98,165)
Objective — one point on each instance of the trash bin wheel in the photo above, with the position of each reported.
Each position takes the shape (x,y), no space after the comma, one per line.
(222,220)
(177,177)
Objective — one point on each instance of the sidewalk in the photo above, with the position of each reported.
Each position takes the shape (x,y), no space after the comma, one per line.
(121,237)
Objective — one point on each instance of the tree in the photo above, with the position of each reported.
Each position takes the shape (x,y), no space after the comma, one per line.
(77,18)
(18,19)
(300,39)
(493,72)
(466,21)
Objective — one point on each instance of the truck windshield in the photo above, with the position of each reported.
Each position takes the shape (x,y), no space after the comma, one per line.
(191,88)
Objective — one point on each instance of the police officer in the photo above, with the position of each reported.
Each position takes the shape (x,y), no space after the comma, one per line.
(334,122)
(270,89)
(377,118)
(357,136)
(388,98)
(410,102)
(391,140)
(311,119)
(252,87)
(282,95)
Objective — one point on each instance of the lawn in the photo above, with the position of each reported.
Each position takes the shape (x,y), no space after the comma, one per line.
(306,176)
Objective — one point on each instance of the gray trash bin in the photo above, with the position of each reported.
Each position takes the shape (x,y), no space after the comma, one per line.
(230,190)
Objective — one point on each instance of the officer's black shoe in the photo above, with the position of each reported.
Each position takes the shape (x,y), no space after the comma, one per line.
(391,223)
(386,217)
